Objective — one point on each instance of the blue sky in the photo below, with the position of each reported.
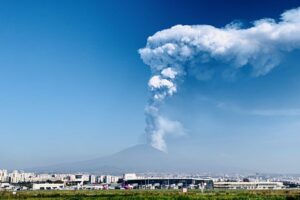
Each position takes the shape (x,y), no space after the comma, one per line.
(73,86)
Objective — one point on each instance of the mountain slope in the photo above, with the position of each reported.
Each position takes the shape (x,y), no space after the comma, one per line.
(139,158)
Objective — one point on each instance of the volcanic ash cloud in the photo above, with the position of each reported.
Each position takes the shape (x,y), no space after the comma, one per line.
(182,49)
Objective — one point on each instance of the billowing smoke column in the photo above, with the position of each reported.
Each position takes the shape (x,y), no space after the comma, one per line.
(199,50)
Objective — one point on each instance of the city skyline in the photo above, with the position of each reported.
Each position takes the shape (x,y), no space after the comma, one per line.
(75,86)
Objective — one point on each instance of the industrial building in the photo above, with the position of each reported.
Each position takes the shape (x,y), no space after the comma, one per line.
(162,182)
(48,186)
(249,185)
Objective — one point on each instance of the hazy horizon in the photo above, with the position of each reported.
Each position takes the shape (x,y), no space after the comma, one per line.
(84,79)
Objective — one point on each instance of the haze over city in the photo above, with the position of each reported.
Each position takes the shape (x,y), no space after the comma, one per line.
(206,86)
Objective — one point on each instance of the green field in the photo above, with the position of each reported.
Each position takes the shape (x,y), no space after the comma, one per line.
(151,194)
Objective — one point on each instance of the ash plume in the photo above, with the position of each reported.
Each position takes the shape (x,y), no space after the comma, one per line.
(206,51)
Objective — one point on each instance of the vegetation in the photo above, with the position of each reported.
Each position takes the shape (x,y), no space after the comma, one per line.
(153,194)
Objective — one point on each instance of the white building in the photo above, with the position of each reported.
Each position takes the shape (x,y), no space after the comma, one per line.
(130,176)
(15,177)
(114,179)
(249,185)
(5,186)
(111,179)
(107,179)
(3,175)
(48,186)
(100,179)
(92,179)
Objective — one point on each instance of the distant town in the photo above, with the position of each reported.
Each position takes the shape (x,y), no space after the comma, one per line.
(20,180)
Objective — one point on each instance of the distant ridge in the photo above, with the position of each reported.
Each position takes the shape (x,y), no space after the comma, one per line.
(139,158)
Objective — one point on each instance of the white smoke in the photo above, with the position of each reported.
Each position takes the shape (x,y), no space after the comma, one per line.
(183,49)
(158,126)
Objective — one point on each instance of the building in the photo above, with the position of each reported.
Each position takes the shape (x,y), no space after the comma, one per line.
(3,176)
(109,179)
(48,186)
(115,179)
(92,179)
(5,186)
(100,179)
(15,177)
(162,182)
(249,185)
(129,176)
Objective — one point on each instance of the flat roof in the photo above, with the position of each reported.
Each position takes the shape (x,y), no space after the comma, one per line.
(245,183)
(165,178)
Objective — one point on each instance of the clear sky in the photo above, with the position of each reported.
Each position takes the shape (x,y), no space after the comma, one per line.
(73,86)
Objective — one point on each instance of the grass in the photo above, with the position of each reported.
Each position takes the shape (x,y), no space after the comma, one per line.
(154,194)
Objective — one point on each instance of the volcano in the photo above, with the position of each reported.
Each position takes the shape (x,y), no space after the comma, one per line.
(139,158)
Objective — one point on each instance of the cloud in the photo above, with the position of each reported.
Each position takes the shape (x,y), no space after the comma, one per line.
(203,50)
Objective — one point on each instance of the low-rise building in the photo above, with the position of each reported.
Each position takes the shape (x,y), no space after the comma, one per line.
(249,185)
(172,183)
(3,176)
(48,186)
